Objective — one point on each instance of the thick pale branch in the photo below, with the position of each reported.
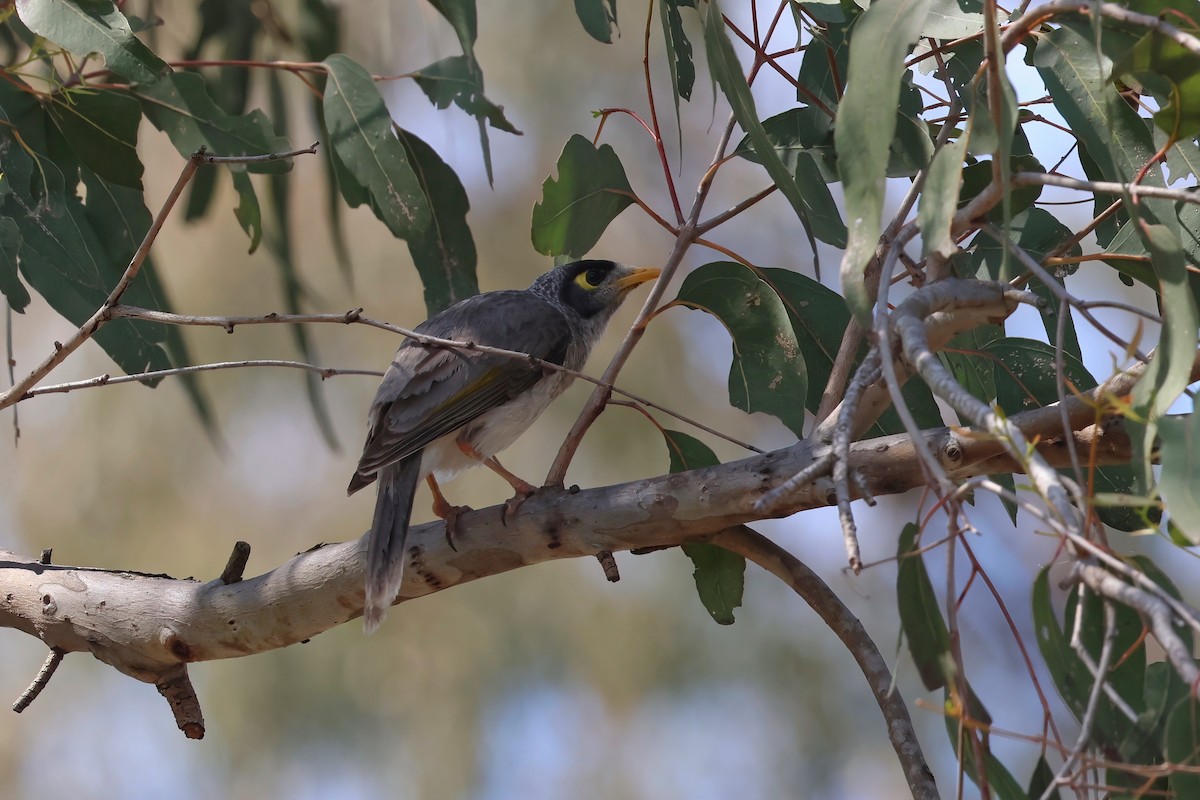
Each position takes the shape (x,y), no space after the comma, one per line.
(178,621)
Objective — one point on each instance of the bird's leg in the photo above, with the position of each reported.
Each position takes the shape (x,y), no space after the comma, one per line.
(524,489)
(447,512)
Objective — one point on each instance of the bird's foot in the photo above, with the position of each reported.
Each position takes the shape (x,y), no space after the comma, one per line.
(450,515)
(524,492)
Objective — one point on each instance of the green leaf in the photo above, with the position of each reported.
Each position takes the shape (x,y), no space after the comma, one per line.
(1071,676)
(599,18)
(1182,744)
(953,19)
(768,372)
(461,16)
(180,106)
(444,253)
(1001,783)
(94,26)
(921,615)
(101,128)
(1179,480)
(121,219)
(360,130)
(1159,66)
(320,29)
(10,283)
(804,189)
(939,200)
(1112,133)
(828,48)
(1038,233)
(806,170)
(1169,370)
(1041,780)
(719,574)
(248,213)
(590,192)
(1026,377)
(963,356)
(64,260)
(819,318)
(720,579)
(866,125)
(679,49)
(687,452)
(453,80)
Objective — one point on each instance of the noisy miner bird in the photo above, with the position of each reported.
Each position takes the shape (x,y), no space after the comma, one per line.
(442,410)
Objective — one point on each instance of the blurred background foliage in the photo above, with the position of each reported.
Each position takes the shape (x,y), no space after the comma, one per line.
(541,683)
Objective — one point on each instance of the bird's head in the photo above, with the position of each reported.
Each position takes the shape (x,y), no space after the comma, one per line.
(591,289)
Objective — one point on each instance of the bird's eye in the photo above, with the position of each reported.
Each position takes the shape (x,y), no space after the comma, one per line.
(595,276)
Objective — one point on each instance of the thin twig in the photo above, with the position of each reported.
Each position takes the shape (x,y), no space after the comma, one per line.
(598,398)
(53,659)
(354,316)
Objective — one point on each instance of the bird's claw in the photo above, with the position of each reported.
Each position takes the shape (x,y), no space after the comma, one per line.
(450,515)
(511,506)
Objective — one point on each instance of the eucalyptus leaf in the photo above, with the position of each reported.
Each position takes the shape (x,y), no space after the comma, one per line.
(94,26)
(768,372)
(591,190)
(360,131)
(866,125)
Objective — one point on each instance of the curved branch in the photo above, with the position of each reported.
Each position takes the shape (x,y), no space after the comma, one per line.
(833,612)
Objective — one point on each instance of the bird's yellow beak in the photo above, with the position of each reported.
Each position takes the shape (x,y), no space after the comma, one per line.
(636,278)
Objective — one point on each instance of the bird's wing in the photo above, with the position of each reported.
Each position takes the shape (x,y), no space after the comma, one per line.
(429,392)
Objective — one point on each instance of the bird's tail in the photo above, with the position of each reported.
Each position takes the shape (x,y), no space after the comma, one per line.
(385,543)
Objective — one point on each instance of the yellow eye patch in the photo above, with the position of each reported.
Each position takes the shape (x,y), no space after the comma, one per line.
(591,279)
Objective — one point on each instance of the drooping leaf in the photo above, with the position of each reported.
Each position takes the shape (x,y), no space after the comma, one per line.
(720,579)
(101,128)
(679,49)
(828,49)
(120,218)
(1000,781)
(590,192)
(1071,676)
(452,80)
(1182,746)
(921,616)
(63,259)
(953,19)
(1040,781)
(804,189)
(461,16)
(819,318)
(360,130)
(866,125)
(180,106)
(939,200)
(806,173)
(768,372)
(94,26)
(10,282)
(444,253)
(687,452)
(1038,233)
(247,212)
(1169,370)
(719,574)
(462,81)
(1159,66)
(599,18)
(1179,480)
